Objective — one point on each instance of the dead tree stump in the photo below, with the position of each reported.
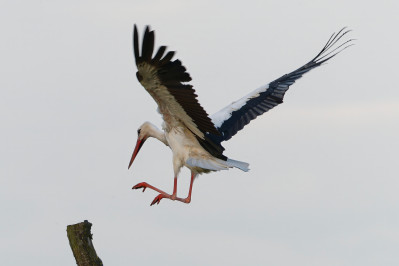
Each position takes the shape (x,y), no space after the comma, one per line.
(80,240)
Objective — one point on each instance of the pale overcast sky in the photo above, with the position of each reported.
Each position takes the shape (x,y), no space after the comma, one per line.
(323,185)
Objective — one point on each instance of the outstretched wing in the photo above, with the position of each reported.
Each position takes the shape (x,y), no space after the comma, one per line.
(164,80)
(235,116)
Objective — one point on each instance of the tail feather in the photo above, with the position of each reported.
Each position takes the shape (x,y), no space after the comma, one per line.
(215,164)
(209,164)
(238,164)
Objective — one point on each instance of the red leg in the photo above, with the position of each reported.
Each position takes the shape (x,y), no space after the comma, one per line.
(174,188)
(163,194)
(144,185)
(188,199)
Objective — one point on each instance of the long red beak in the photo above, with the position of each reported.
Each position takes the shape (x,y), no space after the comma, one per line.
(139,144)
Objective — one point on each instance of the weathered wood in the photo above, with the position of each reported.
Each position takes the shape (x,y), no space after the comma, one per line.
(80,237)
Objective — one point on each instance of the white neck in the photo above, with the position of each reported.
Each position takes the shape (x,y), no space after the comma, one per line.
(153,131)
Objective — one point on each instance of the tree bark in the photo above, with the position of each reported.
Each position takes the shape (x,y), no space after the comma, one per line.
(80,237)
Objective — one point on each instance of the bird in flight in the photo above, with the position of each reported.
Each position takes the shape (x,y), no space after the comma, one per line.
(194,137)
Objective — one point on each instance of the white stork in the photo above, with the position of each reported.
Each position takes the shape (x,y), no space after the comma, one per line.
(194,137)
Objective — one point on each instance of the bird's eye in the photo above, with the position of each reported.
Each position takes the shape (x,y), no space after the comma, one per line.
(138,131)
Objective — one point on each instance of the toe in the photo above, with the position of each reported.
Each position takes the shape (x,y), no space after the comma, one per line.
(140,185)
(157,199)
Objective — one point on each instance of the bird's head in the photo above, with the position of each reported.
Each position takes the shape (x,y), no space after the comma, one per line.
(142,135)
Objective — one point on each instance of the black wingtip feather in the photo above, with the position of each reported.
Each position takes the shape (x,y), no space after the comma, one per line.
(325,54)
(159,54)
(172,74)
(136,44)
(148,44)
(167,57)
(274,94)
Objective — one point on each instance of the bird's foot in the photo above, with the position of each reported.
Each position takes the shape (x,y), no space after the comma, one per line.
(142,185)
(145,185)
(162,194)
(158,198)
